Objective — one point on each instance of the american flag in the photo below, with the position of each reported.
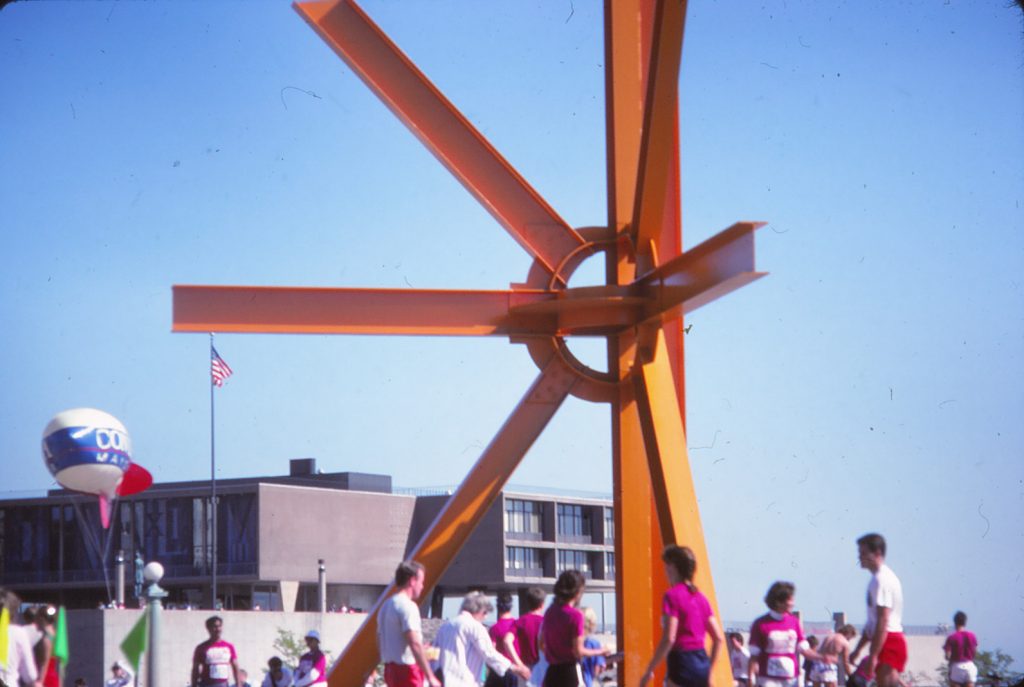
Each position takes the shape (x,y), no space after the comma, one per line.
(219,369)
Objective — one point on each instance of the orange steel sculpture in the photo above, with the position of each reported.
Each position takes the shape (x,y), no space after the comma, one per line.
(650,285)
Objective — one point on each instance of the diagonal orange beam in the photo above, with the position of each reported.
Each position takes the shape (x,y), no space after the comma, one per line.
(444,130)
(707,271)
(271,310)
(655,182)
(466,507)
(675,497)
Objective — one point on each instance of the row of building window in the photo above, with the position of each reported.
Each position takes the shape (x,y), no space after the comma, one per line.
(525,561)
(572,520)
(65,542)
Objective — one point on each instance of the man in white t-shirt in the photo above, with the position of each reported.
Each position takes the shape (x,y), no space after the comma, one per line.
(399,633)
(883,632)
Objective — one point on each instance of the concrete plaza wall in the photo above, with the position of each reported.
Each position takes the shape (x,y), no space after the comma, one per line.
(924,656)
(95,637)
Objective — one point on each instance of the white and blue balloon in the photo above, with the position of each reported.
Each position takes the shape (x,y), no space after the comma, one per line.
(89,451)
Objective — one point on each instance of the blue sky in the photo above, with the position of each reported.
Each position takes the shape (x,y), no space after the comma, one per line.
(871,382)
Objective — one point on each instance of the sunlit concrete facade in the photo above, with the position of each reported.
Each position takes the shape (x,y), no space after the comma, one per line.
(273,534)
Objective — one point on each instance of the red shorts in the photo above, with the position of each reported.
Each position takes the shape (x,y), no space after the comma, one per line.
(894,651)
(402,675)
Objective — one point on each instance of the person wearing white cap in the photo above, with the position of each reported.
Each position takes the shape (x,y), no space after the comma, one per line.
(312,668)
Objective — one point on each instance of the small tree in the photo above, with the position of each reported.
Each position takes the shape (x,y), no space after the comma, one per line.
(995,662)
(290,647)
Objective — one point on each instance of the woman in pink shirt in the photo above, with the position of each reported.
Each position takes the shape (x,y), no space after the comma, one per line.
(503,634)
(686,619)
(562,633)
(960,648)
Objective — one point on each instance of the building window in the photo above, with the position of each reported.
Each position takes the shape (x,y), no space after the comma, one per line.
(609,526)
(522,517)
(202,535)
(573,560)
(573,521)
(609,565)
(523,561)
(266,598)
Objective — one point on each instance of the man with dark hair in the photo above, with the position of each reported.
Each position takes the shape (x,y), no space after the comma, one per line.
(406,571)
(531,615)
(883,632)
(214,662)
(503,634)
(399,633)
(960,648)
(277,674)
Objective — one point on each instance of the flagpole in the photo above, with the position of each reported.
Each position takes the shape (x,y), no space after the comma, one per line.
(213,488)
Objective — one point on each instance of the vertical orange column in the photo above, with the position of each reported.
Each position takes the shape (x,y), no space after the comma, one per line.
(638,572)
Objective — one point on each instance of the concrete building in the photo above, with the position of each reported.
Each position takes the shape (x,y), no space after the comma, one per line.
(528,539)
(273,533)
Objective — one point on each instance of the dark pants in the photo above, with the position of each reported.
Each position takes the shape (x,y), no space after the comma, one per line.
(689,668)
(495,680)
(563,675)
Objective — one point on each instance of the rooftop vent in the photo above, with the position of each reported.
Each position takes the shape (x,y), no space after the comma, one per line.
(301,467)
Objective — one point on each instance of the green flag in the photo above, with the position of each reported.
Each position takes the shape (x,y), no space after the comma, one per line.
(134,643)
(60,639)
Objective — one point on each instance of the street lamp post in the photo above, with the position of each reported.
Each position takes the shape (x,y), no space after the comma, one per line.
(119,579)
(322,586)
(153,572)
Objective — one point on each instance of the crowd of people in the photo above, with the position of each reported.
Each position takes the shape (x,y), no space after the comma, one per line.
(551,647)
(777,642)
(555,647)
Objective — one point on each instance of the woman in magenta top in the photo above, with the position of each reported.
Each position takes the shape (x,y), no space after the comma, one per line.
(686,619)
(503,634)
(562,633)
(960,648)
(528,626)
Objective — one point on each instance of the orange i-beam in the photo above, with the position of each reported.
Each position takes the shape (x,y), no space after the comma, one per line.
(650,284)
